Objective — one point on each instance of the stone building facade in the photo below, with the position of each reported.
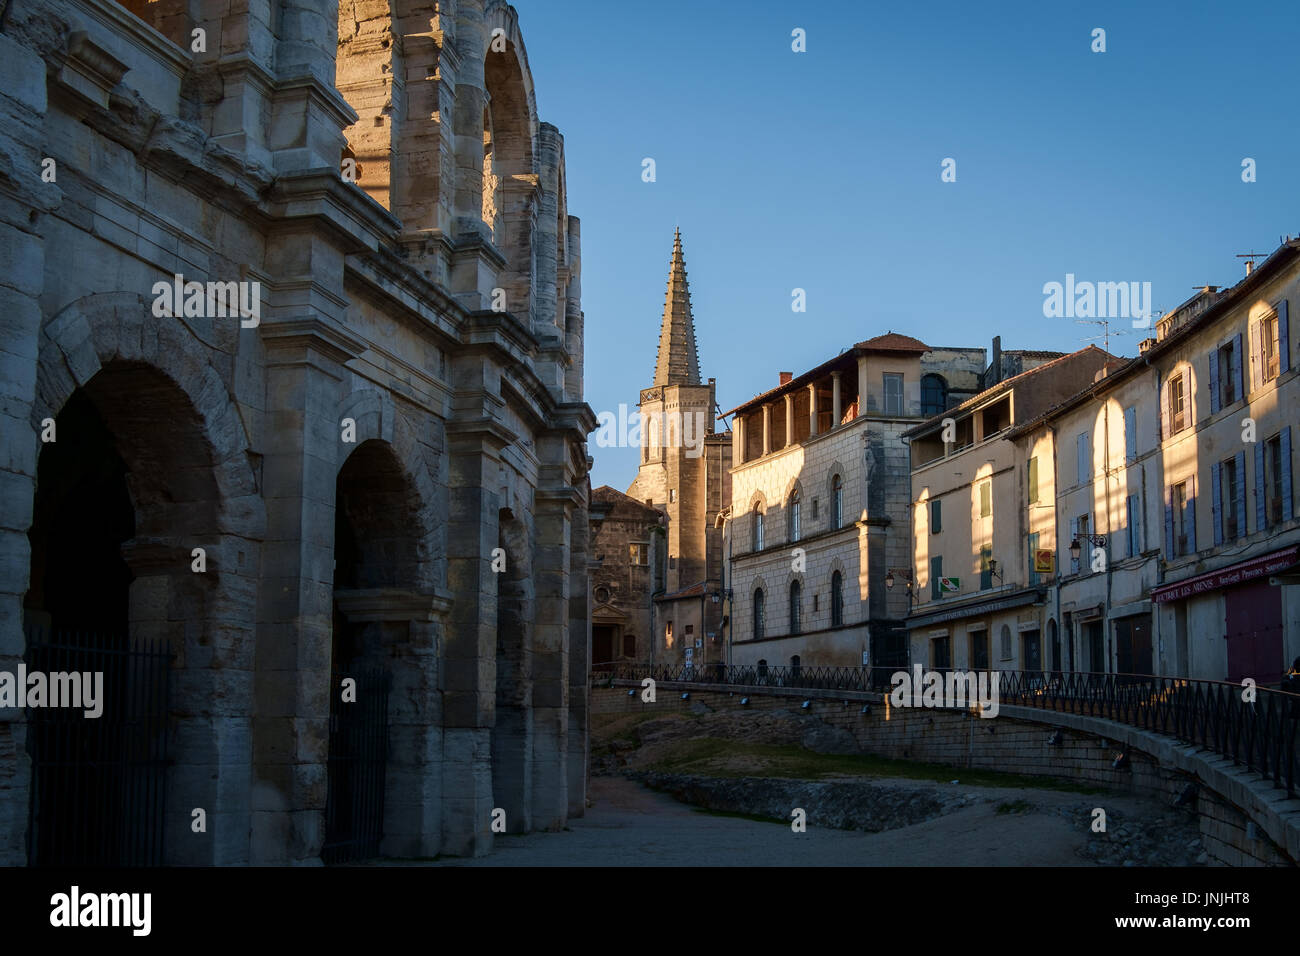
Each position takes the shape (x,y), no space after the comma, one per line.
(821,492)
(373,469)
(976,602)
(629,561)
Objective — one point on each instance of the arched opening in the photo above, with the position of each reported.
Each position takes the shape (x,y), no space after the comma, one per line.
(796,606)
(934,394)
(119,597)
(758,613)
(837,599)
(371,653)
(512,734)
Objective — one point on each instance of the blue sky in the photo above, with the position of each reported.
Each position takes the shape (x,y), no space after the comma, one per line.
(821,170)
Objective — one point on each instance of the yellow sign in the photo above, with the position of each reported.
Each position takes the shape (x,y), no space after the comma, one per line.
(1044,561)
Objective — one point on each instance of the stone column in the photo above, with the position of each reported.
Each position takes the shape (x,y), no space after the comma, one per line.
(22,250)
(469,651)
(789,419)
(551,637)
(837,409)
(862,385)
(305,353)
(738,440)
(812,409)
(767,429)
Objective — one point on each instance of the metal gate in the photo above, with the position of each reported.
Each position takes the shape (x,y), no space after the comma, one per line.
(358,758)
(98,784)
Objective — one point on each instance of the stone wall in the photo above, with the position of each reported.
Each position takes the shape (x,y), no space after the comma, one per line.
(1232,803)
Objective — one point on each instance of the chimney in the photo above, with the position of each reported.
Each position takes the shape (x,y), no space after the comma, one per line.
(1250,266)
(785,377)
(997,360)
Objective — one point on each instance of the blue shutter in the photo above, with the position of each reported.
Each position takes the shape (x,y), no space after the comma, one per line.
(1214,382)
(1239,389)
(1241,494)
(1169,522)
(1261,514)
(1162,411)
(1084,457)
(1287,511)
(1283,338)
(1256,356)
(1216,490)
(1130,433)
(1189,401)
(1191,515)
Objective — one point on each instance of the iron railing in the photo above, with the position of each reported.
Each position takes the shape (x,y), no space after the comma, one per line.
(99,783)
(796,676)
(357,766)
(1262,735)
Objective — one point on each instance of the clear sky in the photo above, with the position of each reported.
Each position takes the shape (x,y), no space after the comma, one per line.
(821,170)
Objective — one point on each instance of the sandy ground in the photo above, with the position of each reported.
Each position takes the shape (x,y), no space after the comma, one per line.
(630,825)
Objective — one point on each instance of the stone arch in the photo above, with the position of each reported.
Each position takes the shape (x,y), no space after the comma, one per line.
(389,613)
(511,111)
(170,420)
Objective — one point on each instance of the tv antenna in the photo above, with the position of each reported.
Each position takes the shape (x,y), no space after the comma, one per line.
(1250,258)
(1106,331)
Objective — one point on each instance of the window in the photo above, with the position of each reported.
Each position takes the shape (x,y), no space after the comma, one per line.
(1033,480)
(1033,554)
(1225,502)
(941,653)
(1268,348)
(979,649)
(639,553)
(986,499)
(1005,639)
(758,613)
(986,568)
(1227,376)
(814,513)
(1177,403)
(893,393)
(758,530)
(672,495)
(794,515)
(837,599)
(837,501)
(1130,434)
(1132,523)
(934,394)
(1083,446)
(1182,527)
(936,516)
(796,606)
(936,573)
(815,602)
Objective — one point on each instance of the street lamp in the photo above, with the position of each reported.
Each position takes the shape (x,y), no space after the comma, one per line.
(1096,540)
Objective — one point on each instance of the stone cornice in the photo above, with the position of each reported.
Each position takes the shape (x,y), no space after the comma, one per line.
(356,221)
(393,604)
(311,333)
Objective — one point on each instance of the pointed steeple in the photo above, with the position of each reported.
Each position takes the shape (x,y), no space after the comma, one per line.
(678,362)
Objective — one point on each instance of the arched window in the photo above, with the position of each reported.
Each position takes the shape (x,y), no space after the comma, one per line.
(837,502)
(794,666)
(837,599)
(758,613)
(794,515)
(934,394)
(758,528)
(796,609)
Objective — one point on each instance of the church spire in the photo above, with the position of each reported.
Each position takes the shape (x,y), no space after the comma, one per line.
(678,362)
